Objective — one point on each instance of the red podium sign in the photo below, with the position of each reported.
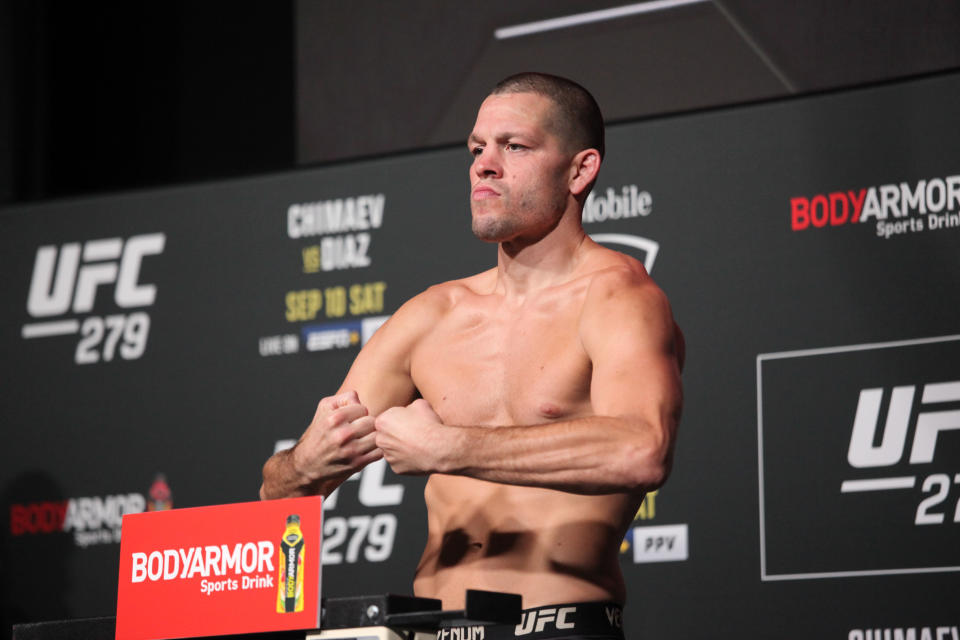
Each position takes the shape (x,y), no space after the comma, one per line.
(230,569)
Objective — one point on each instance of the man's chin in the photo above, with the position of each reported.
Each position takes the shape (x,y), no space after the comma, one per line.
(490,230)
(490,234)
(486,237)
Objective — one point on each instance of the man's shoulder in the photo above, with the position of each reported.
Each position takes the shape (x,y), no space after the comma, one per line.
(622,300)
(613,274)
(427,307)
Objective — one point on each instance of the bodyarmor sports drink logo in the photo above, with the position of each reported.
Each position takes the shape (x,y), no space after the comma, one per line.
(860,459)
(93,520)
(65,283)
(930,204)
(242,566)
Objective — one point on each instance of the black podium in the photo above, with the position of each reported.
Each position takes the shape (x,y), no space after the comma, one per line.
(386,617)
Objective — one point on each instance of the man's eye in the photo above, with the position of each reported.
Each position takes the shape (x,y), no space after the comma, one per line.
(476,151)
(513,146)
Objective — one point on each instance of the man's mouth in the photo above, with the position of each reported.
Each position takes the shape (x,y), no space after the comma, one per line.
(482,192)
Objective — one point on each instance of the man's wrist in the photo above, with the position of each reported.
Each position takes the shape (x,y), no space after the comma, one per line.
(451,452)
(301,471)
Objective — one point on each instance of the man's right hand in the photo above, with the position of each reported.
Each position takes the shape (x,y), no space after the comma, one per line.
(339,442)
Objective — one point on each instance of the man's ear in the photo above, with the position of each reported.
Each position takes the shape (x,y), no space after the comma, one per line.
(583,170)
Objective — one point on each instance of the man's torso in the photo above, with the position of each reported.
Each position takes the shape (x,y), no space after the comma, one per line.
(489,362)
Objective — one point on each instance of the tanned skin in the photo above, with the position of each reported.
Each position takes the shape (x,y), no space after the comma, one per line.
(541,397)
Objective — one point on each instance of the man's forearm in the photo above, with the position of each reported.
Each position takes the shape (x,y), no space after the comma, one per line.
(281,479)
(593,455)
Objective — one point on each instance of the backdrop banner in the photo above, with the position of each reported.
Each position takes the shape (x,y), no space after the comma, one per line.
(160,345)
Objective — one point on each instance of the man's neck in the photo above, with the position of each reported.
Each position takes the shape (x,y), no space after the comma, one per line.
(523,268)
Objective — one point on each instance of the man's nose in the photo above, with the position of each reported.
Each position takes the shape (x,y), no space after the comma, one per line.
(486,164)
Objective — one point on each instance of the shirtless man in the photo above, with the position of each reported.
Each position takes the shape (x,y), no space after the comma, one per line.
(541,396)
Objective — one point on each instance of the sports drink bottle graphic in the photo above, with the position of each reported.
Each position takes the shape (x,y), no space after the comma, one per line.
(290,595)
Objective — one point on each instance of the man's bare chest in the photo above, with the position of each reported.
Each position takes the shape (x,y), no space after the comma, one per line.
(488,365)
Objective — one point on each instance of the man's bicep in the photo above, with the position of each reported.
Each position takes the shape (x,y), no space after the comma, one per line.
(380,376)
(630,337)
(381,372)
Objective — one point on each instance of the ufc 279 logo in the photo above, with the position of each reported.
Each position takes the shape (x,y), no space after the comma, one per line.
(859,451)
(66,281)
(867,451)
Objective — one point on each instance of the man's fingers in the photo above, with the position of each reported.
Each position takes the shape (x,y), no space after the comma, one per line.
(347,413)
(346,436)
(362,426)
(332,403)
(384,418)
(347,397)
(353,430)
(367,458)
(367,443)
(360,452)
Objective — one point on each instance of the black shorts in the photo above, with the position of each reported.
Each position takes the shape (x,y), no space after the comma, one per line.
(574,621)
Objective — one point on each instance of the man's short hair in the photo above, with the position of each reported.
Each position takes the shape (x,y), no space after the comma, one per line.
(577,118)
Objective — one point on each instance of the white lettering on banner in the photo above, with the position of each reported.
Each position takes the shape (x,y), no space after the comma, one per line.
(374,535)
(335,216)
(667,543)
(863,453)
(344,252)
(908,633)
(945,221)
(279,345)
(211,560)
(98,512)
(104,261)
(51,295)
(372,492)
(630,203)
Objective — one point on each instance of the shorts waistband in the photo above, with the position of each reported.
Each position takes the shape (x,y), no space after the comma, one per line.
(572,620)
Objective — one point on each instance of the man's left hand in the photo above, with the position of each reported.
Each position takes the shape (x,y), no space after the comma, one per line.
(410,438)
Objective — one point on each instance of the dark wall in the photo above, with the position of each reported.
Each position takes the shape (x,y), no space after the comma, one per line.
(6,105)
(103,97)
(108,97)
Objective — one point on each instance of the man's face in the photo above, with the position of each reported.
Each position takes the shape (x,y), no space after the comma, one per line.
(520,169)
